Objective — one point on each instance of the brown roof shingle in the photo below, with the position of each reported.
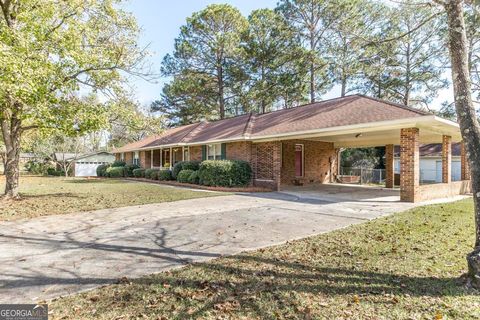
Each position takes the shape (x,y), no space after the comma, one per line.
(349,110)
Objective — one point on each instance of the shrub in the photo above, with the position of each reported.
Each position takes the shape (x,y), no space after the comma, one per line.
(119,163)
(164,175)
(225,173)
(129,169)
(185,165)
(184,175)
(102,170)
(54,172)
(115,172)
(193,178)
(37,167)
(139,173)
(151,174)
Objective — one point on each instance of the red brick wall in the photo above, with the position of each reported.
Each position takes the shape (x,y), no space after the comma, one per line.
(129,157)
(239,151)
(266,162)
(195,153)
(389,166)
(409,164)
(117,156)
(145,159)
(465,167)
(446,159)
(320,162)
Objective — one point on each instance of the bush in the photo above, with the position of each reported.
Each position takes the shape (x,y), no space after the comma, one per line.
(225,173)
(119,163)
(139,173)
(151,174)
(184,175)
(129,169)
(37,167)
(54,172)
(185,165)
(102,170)
(164,175)
(193,178)
(115,172)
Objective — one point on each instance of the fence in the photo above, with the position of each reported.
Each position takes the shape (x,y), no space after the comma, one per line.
(377,176)
(366,175)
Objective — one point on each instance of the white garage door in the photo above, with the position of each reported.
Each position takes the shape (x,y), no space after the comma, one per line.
(86,169)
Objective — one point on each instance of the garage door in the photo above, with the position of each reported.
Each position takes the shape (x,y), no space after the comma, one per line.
(86,169)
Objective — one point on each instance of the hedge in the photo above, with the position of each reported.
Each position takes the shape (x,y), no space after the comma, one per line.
(184,175)
(193,178)
(115,172)
(151,174)
(225,173)
(129,169)
(102,170)
(164,175)
(139,173)
(119,163)
(54,172)
(185,165)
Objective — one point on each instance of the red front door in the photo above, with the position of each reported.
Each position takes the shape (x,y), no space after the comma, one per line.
(298,160)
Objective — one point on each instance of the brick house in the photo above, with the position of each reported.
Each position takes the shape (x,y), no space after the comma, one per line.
(300,146)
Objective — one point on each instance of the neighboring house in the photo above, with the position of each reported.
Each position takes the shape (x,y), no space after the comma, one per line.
(24,158)
(431,162)
(85,165)
(299,146)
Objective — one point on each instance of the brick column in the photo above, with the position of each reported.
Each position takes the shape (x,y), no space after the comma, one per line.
(277,164)
(409,164)
(465,167)
(446,159)
(389,166)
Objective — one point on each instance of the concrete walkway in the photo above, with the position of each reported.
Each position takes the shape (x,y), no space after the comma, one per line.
(52,256)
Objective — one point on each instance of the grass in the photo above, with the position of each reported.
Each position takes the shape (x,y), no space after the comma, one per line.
(406,266)
(56,195)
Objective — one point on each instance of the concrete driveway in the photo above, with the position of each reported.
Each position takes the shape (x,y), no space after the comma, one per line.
(52,256)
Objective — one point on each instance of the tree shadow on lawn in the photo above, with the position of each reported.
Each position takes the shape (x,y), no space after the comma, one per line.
(283,279)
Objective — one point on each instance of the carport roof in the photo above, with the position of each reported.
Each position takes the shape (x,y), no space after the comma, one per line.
(329,117)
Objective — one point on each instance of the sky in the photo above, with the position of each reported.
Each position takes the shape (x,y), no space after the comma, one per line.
(161,20)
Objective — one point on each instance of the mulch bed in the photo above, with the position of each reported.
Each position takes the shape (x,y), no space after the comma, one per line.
(200,187)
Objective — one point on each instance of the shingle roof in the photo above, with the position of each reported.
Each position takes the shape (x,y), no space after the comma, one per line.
(349,110)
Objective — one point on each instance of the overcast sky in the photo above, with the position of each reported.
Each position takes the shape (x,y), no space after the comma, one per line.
(160,21)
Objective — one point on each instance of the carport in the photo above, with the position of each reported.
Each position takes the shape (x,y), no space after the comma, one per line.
(409,134)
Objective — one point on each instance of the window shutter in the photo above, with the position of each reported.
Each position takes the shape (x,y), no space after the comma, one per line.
(204,153)
(224,151)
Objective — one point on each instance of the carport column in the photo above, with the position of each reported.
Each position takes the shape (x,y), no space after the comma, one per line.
(446,159)
(465,167)
(151,158)
(409,164)
(389,166)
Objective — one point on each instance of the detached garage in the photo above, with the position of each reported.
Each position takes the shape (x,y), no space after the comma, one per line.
(86,165)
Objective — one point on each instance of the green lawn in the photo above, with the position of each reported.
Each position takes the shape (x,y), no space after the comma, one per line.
(53,195)
(406,266)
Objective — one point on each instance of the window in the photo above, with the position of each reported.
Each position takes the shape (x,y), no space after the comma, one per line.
(186,154)
(122,156)
(299,160)
(214,151)
(136,159)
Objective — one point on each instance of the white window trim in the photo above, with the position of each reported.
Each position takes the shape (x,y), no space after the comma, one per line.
(215,155)
(303,159)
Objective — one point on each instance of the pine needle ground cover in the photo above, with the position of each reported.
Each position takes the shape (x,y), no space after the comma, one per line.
(406,266)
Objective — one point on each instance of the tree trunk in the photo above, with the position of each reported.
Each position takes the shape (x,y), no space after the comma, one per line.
(221,98)
(312,65)
(11,132)
(469,126)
